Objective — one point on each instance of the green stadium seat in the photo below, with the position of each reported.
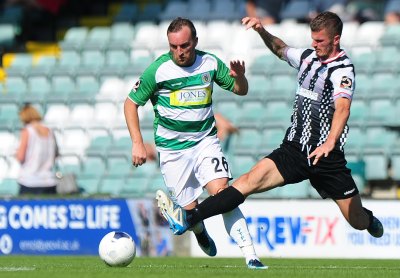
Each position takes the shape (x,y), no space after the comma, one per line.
(112,186)
(271,139)
(62,87)
(276,114)
(7,35)
(20,65)
(391,35)
(39,88)
(376,166)
(154,184)
(93,167)
(68,62)
(248,141)
(298,190)
(9,118)
(251,114)
(135,186)
(99,145)
(118,166)
(262,64)
(358,113)
(74,38)
(395,159)
(122,146)
(15,89)
(88,185)
(258,87)
(9,187)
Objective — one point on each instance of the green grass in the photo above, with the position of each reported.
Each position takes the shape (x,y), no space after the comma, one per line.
(176,267)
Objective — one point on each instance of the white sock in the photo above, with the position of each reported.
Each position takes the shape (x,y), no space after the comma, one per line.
(236,227)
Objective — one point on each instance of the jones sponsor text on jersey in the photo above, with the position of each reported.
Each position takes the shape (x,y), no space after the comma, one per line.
(191,97)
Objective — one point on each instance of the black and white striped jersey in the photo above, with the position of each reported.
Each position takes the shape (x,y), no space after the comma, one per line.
(320,83)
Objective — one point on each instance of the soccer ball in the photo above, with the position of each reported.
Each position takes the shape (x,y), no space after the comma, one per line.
(117,249)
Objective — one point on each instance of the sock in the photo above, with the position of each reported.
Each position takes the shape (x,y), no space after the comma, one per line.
(198,228)
(225,201)
(236,227)
(370,215)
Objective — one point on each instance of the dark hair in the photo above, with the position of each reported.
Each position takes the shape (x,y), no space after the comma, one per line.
(177,24)
(329,21)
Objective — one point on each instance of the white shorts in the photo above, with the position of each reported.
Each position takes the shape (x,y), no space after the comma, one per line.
(187,172)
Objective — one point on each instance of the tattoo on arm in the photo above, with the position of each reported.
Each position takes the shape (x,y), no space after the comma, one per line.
(275,44)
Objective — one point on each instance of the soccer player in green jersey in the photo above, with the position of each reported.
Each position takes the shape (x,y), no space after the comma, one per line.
(179,84)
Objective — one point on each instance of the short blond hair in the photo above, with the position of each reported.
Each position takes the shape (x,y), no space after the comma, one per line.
(28,113)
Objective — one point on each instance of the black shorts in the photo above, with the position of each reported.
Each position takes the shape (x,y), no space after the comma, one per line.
(330,177)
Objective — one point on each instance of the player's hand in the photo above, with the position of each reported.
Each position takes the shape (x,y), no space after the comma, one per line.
(139,154)
(237,68)
(321,151)
(252,22)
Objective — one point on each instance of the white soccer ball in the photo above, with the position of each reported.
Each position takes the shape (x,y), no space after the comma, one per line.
(117,249)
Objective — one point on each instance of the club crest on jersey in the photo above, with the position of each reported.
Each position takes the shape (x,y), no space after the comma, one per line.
(136,86)
(346,82)
(205,77)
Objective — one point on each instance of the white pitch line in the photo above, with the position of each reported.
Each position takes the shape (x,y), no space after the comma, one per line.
(14,269)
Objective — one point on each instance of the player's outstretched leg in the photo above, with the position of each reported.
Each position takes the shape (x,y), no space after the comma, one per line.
(173,213)
(205,242)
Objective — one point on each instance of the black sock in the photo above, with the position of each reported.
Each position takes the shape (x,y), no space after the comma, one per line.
(225,201)
(370,215)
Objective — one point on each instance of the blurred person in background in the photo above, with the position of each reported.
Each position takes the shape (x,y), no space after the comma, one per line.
(179,84)
(392,12)
(37,153)
(267,10)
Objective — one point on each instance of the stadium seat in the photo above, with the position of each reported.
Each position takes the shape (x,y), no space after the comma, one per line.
(9,119)
(147,170)
(112,89)
(391,35)
(395,159)
(155,183)
(62,87)
(296,9)
(379,140)
(122,146)
(358,113)
(271,139)
(68,62)
(98,38)
(112,186)
(376,167)
(150,12)
(44,66)
(135,186)
(262,64)
(92,61)
(87,88)
(38,89)
(121,37)
(73,141)
(20,65)
(118,166)
(259,87)
(380,112)
(74,38)
(173,9)
(9,143)
(57,115)
(276,113)
(387,59)
(81,116)
(15,89)
(241,164)
(228,10)
(3,167)
(298,190)
(127,13)
(364,31)
(9,187)
(251,115)
(88,185)
(7,35)
(93,167)
(282,87)
(98,146)
(248,141)
(198,10)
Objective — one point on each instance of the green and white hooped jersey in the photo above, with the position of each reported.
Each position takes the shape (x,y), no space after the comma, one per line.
(182,98)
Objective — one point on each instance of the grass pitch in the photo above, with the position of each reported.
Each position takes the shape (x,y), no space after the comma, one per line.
(176,267)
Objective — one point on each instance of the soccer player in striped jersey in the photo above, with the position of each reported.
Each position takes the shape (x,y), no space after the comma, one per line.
(313,145)
(179,84)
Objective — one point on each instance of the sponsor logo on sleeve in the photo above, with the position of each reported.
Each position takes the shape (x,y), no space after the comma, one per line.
(346,82)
